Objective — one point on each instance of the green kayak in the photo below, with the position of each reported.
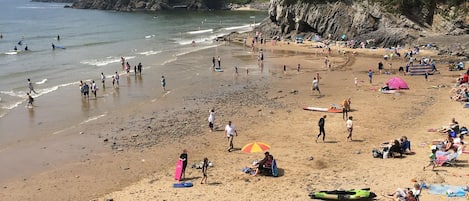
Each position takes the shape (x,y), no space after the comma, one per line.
(361,194)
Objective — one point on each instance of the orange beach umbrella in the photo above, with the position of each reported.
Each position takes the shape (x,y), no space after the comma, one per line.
(255,147)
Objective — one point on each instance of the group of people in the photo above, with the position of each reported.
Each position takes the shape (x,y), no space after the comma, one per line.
(461,90)
(394,148)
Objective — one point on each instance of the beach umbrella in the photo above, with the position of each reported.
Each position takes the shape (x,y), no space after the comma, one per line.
(397,83)
(255,147)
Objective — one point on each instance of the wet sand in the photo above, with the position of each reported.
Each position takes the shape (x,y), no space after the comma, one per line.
(130,153)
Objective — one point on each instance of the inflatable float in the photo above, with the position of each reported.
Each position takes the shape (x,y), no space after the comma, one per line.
(361,194)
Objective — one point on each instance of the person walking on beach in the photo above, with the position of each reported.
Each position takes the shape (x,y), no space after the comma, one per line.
(103,80)
(204,170)
(30,100)
(432,162)
(183,158)
(236,69)
(30,86)
(116,77)
(349,125)
(86,90)
(139,68)
(315,86)
(230,132)
(163,83)
(298,68)
(213,62)
(219,62)
(211,119)
(321,124)
(370,75)
(94,88)
(346,108)
(356,83)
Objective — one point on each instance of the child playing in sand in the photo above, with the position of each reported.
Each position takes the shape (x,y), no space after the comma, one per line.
(204,171)
(432,160)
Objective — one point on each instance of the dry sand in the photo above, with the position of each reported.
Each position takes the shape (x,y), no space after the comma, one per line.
(269,111)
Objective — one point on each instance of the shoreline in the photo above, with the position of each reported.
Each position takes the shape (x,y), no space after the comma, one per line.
(273,112)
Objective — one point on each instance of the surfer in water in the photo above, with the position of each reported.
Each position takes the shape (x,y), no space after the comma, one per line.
(15,48)
(58,37)
(53,46)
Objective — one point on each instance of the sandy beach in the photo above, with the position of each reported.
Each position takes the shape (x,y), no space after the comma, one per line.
(141,144)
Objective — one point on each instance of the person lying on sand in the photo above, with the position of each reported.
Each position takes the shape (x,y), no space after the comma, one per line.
(406,194)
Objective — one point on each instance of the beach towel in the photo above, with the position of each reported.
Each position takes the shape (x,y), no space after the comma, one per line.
(448,190)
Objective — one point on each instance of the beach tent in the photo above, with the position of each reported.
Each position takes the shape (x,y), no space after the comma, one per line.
(397,83)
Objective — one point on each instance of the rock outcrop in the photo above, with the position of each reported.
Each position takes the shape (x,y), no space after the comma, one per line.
(358,20)
(145,5)
(56,1)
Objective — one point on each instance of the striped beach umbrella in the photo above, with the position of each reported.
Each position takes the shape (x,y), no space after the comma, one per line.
(255,147)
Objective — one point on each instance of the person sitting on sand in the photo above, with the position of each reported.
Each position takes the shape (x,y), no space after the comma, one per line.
(405,144)
(264,166)
(395,149)
(406,194)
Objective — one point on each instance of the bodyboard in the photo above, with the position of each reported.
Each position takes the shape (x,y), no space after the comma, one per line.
(178,172)
(218,70)
(274,168)
(183,185)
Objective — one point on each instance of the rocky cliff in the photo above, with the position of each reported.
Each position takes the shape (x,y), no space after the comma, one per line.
(149,5)
(359,20)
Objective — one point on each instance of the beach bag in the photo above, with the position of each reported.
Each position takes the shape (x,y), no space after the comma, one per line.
(377,154)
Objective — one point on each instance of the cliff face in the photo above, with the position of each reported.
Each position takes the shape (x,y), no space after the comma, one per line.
(359,20)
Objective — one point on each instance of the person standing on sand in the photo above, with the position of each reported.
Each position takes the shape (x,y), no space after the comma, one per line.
(284,68)
(30,86)
(318,77)
(426,75)
(315,86)
(321,124)
(298,68)
(230,132)
(349,125)
(380,67)
(211,119)
(183,158)
(346,108)
(356,83)
(103,80)
(370,75)
(219,62)
(204,170)
(163,83)
(213,62)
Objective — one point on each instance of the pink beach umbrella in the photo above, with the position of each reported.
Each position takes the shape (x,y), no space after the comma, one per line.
(397,83)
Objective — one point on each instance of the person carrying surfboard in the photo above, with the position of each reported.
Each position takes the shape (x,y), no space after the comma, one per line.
(183,158)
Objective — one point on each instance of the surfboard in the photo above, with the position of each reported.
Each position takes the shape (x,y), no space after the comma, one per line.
(334,110)
(183,185)
(274,168)
(388,91)
(318,109)
(13,52)
(218,70)
(60,47)
(178,172)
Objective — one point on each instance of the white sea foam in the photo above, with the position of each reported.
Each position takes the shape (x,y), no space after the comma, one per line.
(168,61)
(11,105)
(150,36)
(190,50)
(200,31)
(93,118)
(148,53)
(105,61)
(237,27)
(42,82)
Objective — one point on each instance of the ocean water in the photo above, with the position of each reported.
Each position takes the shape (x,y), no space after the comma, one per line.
(94,41)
